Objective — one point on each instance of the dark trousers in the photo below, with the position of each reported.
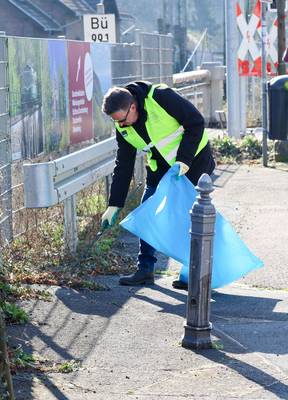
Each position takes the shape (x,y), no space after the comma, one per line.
(146,259)
(203,163)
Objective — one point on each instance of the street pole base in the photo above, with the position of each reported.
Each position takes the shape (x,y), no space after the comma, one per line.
(197,338)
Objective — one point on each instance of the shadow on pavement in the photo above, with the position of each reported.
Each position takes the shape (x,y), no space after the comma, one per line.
(245,325)
(223,173)
(248,371)
(71,326)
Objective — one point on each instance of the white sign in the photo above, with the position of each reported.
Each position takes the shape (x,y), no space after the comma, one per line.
(248,43)
(99,28)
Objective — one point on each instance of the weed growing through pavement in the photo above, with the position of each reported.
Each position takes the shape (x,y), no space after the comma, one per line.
(68,367)
(13,313)
(20,292)
(20,359)
(217,345)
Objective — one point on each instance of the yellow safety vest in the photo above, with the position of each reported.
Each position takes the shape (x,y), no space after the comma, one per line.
(164,131)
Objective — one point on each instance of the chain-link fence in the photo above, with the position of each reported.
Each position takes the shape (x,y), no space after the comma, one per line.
(151,58)
(157,57)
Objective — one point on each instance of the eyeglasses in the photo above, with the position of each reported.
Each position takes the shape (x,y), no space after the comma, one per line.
(123,119)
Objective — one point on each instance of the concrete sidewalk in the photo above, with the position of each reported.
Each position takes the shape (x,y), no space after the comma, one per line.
(129,339)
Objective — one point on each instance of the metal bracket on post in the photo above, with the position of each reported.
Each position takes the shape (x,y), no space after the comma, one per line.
(70,225)
(198,327)
(100,8)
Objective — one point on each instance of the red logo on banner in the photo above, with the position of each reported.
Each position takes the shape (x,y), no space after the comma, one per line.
(80,91)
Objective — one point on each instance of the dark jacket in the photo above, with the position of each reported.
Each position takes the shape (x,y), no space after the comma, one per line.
(187,115)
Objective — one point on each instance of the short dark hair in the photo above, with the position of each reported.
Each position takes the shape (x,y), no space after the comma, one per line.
(117,98)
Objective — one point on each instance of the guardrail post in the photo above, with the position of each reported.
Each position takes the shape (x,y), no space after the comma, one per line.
(70,225)
(198,327)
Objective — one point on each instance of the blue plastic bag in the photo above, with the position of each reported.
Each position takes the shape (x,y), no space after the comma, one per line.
(164,222)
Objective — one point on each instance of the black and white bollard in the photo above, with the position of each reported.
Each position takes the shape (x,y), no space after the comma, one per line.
(197,329)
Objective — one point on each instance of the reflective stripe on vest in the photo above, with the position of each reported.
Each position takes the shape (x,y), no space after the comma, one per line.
(167,140)
(164,131)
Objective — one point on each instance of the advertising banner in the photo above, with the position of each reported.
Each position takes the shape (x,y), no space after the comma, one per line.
(80,91)
(56,93)
(102,81)
(26,112)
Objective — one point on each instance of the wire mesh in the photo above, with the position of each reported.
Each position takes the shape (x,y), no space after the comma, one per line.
(151,59)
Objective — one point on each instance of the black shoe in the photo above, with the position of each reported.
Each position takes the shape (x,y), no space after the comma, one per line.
(139,278)
(180,285)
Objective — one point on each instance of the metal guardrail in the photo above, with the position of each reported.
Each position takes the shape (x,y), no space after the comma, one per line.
(49,183)
(53,182)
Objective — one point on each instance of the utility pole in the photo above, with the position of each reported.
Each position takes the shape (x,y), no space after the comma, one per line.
(232,81)
(264,82)
(281,36)
(182,27)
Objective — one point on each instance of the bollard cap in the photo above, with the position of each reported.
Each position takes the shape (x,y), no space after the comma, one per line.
(205,184)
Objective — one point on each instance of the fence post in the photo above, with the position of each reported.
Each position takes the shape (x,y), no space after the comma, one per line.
(198,327)
(138,42)
(70,225)
(160,59)
(6,226)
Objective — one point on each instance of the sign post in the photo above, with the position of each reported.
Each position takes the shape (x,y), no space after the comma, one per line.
(99,28)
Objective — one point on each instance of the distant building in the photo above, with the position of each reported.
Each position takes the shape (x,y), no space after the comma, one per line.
(49,19)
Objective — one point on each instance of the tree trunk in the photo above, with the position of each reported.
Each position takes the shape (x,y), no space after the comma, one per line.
(5,375)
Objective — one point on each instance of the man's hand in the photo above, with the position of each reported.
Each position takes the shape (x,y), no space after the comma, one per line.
(183,168)
(109,216)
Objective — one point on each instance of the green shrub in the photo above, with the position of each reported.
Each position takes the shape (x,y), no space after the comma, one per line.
(250,147)
(14,313)
(21,359)
(91,205)
(228,149)
(225,147)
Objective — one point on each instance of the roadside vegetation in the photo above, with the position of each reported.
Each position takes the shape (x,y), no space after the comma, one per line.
(37,260)
(38,256)
(229,150)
